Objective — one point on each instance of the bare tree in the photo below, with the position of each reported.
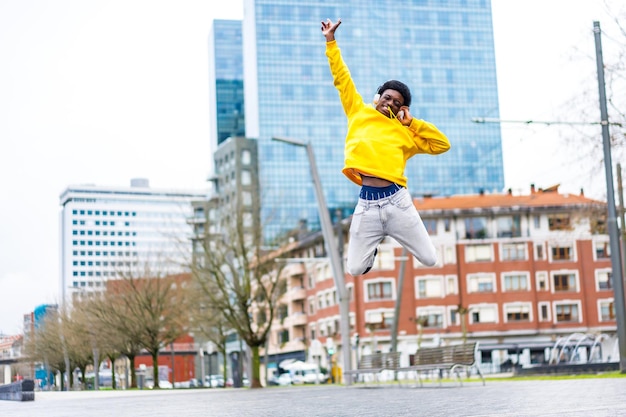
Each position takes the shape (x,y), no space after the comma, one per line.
(120,334)
(209,323)
(45,345)
(156,308)
(241,283)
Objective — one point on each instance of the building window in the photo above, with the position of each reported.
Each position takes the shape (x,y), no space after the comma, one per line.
(483,314)
(539,252)
(604,280)
(603,250)
(562,253)
(451,285)
(311,306)
(380,290)
(559,222)
(607,310)
(379,319)
(516,282)
(245,157)
(455,317)
(431,317)
(537,221)
(509,226)
(431,226)
(449,255)
(542,281)
(283,312)
(478,253)
(481,283)
(283,336)
(544,311)
(517,312)
(446,224)
(429,287)
(246,178)
(567,313)
(564,282)
(475,228)
(513,251)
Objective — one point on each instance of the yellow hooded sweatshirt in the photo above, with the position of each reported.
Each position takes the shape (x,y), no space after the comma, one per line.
(376,145)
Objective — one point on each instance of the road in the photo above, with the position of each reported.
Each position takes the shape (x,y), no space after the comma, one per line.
(572,398)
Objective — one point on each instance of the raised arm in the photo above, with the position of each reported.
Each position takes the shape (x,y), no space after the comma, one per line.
(350,98)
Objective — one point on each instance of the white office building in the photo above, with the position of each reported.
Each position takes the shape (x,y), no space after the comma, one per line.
(108,232)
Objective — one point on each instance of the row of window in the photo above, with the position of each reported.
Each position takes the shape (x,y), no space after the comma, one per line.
(443,317)
(102,263)
(518,252)
(104,213)
(555,312)
(103,253)
(103,233)
(112,273)
(103,243)
(439,286)
(505,226)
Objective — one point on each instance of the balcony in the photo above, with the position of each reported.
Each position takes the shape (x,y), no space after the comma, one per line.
(297,293)
(292,269)
(298,319)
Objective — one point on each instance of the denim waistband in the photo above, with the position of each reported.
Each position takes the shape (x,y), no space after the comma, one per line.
(376,193)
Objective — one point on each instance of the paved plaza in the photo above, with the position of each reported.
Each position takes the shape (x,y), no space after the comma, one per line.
(581,397)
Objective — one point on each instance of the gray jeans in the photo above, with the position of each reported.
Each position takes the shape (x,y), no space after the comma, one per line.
(394,216)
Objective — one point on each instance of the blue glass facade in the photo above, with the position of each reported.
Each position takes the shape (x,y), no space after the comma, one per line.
(228,70)
(444,51)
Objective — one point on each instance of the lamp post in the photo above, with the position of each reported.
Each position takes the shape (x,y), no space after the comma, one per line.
(618,279)
(333,252)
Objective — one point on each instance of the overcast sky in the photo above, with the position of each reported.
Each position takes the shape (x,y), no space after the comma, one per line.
(105,91)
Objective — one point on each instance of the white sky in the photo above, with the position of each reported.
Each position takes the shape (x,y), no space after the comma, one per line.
(102,92)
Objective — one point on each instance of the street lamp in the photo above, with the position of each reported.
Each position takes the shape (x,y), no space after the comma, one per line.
(333,251)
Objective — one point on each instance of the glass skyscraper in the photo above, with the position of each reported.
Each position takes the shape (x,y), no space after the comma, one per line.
(226,68)
(444,51)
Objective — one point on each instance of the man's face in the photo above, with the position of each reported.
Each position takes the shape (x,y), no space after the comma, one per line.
(390,98)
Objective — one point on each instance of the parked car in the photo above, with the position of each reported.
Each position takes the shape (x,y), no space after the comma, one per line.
(284,379)
(214,381)
(163,384)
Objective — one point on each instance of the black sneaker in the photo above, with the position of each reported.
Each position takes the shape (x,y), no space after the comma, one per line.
(373,259)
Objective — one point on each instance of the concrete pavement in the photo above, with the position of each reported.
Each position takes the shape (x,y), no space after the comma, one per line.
(572,398)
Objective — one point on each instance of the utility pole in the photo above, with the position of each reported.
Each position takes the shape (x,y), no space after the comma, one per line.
(336,262)
(618,279)
(396,310)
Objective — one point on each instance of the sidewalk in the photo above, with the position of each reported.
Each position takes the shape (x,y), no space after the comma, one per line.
(581,397)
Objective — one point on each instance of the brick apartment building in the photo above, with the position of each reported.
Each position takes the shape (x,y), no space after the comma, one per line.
(524,275)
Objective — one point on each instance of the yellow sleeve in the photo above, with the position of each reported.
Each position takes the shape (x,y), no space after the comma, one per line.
(350,98)
(428,138)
